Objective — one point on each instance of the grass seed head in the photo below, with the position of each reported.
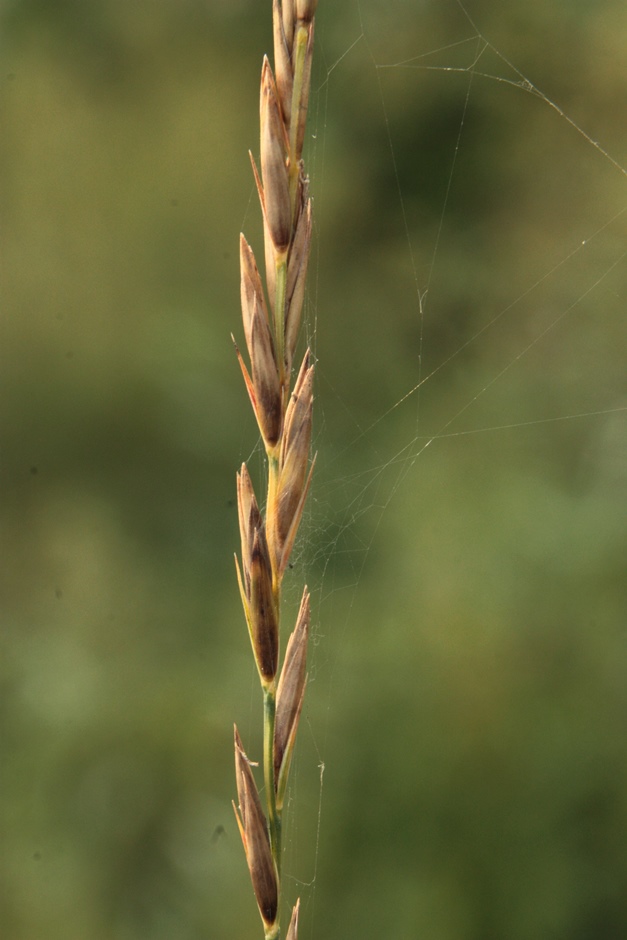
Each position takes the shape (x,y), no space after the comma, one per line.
(271,314)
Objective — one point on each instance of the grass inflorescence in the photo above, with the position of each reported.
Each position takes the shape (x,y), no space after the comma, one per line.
(271,314)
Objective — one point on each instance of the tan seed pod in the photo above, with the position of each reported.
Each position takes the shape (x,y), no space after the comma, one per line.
(290,695)
(251,288)
(264,623)
(265,377)
(298,413)
(251,822)
(271,256)
(263,400)
(288,498)
(255,579)
(274,172)
(296,276)
(295,448)
(249,519)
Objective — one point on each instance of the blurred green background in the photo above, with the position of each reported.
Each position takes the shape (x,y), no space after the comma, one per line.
(467,704)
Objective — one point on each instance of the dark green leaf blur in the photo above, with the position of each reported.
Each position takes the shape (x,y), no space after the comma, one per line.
(461,771)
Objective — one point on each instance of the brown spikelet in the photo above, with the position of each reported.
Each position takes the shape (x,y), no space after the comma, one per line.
(263,612)
(265,377)
(264,387)
(274,153)
(255,580)
(294,460)
(249,518)
(290,694)
(251,822)
(251,288)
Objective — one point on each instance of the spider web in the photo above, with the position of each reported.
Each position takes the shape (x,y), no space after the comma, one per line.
(567,292)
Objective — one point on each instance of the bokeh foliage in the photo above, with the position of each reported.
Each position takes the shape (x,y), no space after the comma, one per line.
(468,680)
